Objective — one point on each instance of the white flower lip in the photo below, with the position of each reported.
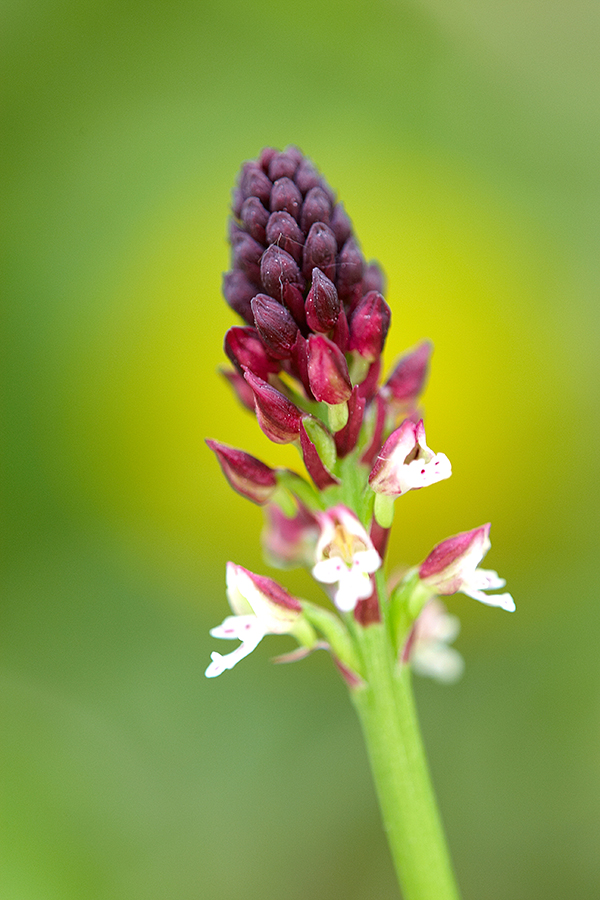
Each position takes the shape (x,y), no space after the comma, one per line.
(346,557)
(406,462)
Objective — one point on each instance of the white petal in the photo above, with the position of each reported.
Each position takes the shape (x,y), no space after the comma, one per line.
(367,561)
(328,571)
(486,580)
(438,661)
(504,601)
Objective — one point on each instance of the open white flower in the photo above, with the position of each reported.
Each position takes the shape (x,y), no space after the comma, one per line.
(260,607)
(452,566)
(428,645)
(346,557)
(406,463)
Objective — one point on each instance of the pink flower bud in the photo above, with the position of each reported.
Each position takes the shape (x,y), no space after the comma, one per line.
(242,389)
(407,380)
(369,326)
(307,176)
(244,348)
(286,196)
(315,467)
(346,438)
(290,541)
(247,475)
(452,566)
(277,416)
(373,278)
(246,253)
(406,462)
(322,303)
(319,250)
(275,325)
(327,371)
(278,268)
(316,208)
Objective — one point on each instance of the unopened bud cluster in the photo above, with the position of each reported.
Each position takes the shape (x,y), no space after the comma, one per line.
(307,362)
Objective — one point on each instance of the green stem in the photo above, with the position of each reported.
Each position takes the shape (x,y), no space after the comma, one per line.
(386,709)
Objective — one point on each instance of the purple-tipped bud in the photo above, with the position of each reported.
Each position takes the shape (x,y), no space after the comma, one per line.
(241,388)
(322,303)
(277,416)
(407,380)
(254,218)
(283,230)
(340,224)
(286,196)
(238,291)
(345,440)
(283,165)
(341,333)
(278,268)
(319,250)
(327,371)
(275,325)
(350,267)
(373,278)
(245,349)
(316,208)
(266,155)
(254,183)
(307,176)
(247,475)
(315,467)
(369,326)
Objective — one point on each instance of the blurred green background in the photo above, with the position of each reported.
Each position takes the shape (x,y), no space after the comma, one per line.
(463,137)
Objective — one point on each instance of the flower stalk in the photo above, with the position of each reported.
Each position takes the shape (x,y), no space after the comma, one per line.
(307,362)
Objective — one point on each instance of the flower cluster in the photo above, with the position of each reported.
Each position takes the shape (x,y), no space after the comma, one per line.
(307,362)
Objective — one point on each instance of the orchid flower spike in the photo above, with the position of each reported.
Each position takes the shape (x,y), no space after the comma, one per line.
(406,462)
(452,566)
(345,557)
(260,607)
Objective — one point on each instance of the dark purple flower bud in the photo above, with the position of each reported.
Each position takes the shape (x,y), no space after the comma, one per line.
(239,291)
(254,183)
(283,165)
(319,250)
(266,155)
(341,333)
(369,326)
(340,224)
(278,268)
(322,303)
(315,467)
(350,267)
(254,218)
(294,300)
(373,279)
(277,416)
(247,254)
(327,371)
(345,440)
(407,380)
(307,176)
(237,199)
(285,195)
(368,386)
(247,475)
(316,208)
(244,348)
(242,389)
(283,230)
(275,325)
